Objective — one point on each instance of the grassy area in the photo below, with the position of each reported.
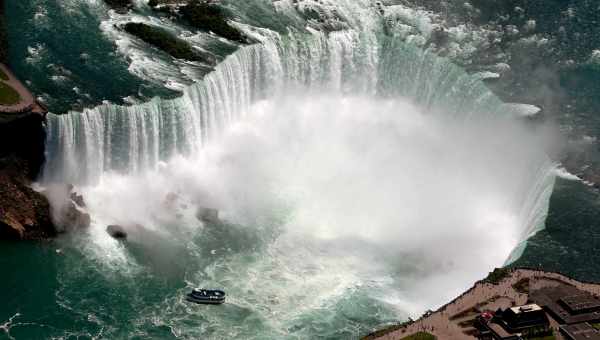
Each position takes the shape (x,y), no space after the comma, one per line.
(164,41)
(3,75)
(522,286)
(8,96)
(419,336)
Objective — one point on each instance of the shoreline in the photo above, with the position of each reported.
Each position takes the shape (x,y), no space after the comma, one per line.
(27,103)
(443,323)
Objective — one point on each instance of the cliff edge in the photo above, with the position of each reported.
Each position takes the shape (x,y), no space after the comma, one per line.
(24,212)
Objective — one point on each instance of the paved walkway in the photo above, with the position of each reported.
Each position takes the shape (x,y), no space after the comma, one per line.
(27,103)
(483,296)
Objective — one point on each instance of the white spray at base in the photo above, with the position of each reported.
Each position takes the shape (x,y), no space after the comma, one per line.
(372,162)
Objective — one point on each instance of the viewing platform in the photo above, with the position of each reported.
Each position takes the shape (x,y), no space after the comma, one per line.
(15,98)
(510,304)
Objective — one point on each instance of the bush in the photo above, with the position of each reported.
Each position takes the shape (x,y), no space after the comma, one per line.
(497,275)
(420,336)
(164,41)
(208,17)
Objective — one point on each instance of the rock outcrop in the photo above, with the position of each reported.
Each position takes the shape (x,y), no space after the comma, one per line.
(204,15)
(208,215)
(23,140)
(68,208)
(24,212)
(117,232)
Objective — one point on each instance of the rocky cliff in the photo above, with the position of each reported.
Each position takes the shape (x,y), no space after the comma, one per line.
(24,212)
(3,36)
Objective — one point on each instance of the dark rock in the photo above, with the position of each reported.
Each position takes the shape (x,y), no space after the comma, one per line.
(165,41)
(209,17)
(121,6)
(68,208)
(117,232)
(207,215)
(24,138)
(24,212)
(78,199)
(75,219)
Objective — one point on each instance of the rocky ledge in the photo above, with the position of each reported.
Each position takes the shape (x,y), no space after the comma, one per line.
(24,212)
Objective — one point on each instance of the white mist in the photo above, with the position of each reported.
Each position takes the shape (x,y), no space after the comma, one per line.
(369,192)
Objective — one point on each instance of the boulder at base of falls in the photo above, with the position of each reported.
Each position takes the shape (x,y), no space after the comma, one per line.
(120,6)
(74,218)
(117,232)
(68,208)
(78,199)
(207,215)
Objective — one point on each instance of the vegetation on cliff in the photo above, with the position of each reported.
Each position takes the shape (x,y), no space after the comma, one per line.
(420,336)
(164,41)
(497,275)
(24,213)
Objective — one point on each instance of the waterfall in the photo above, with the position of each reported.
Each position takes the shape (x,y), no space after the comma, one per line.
(84,146)
(133,138)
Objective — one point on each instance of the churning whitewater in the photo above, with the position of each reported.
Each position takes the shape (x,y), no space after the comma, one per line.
(360,179)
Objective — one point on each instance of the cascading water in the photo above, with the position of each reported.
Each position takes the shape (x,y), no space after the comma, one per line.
(357,174)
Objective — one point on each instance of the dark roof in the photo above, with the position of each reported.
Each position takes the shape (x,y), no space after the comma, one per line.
(580,331)
(523,317)
(581,302)
(567,304)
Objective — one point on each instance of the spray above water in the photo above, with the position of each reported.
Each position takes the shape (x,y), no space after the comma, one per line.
(358,177)
(371,191)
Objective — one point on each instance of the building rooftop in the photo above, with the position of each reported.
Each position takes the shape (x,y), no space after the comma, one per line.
(581,302)
(526,308)
(580,331)
(567,304)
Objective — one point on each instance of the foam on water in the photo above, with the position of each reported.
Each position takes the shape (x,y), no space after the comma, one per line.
(322,196)
(356,173)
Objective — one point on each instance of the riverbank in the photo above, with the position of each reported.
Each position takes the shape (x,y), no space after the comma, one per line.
(504,288)
(24,105)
